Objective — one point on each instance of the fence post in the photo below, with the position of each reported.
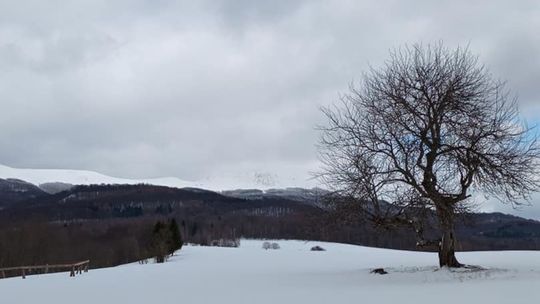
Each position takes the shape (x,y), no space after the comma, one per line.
(74,269)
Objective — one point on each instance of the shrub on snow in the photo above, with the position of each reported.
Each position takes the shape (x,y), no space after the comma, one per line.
(268,245)
(317,248)
(226,243)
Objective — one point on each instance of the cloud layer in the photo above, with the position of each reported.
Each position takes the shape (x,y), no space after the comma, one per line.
(194,89)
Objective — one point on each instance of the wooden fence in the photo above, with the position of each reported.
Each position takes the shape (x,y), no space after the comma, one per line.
(75,268)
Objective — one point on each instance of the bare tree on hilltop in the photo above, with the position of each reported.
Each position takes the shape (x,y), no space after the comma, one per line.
(420,136)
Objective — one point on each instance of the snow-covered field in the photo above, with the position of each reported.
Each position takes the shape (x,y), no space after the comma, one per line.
(292,274)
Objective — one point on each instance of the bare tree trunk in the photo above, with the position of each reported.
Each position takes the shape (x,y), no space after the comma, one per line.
(447,256)
(447,245)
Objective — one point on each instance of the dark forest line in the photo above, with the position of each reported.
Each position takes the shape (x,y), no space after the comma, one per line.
(112,225)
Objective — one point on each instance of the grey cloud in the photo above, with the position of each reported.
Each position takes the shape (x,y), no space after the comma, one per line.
(195,88)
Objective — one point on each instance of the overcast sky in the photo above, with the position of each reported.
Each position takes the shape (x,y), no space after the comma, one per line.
(194,89)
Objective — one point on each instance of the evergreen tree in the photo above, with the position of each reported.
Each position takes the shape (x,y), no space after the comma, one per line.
(160,240)
(175,240)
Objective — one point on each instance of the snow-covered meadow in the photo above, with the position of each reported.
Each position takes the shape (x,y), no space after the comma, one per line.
(292,274)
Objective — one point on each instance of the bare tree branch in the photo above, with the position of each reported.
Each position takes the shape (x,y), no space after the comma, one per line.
(424,132)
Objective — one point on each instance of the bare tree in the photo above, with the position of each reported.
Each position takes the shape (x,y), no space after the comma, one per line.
(421,136)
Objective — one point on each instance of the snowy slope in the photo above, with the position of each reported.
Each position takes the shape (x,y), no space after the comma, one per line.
(292,274)
(82,177)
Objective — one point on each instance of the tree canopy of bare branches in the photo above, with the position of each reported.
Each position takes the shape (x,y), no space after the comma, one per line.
(423,133)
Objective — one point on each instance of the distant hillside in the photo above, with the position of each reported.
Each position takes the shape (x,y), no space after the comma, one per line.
(285,213)
(308,196)
(124,201)
(14,190)
(53,188)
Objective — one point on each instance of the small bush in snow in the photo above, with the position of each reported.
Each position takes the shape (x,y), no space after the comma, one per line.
(379,271)
(226,243)
(317,248)
(268,245)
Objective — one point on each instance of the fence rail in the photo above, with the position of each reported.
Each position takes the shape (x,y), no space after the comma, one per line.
(75,268)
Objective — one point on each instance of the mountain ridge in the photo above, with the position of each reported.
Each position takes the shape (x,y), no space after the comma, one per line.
(254,180)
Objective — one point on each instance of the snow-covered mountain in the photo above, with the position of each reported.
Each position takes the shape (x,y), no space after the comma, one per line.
(83,177)
(50,179)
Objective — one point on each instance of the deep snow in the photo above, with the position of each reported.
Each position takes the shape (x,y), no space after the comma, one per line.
(292,274)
